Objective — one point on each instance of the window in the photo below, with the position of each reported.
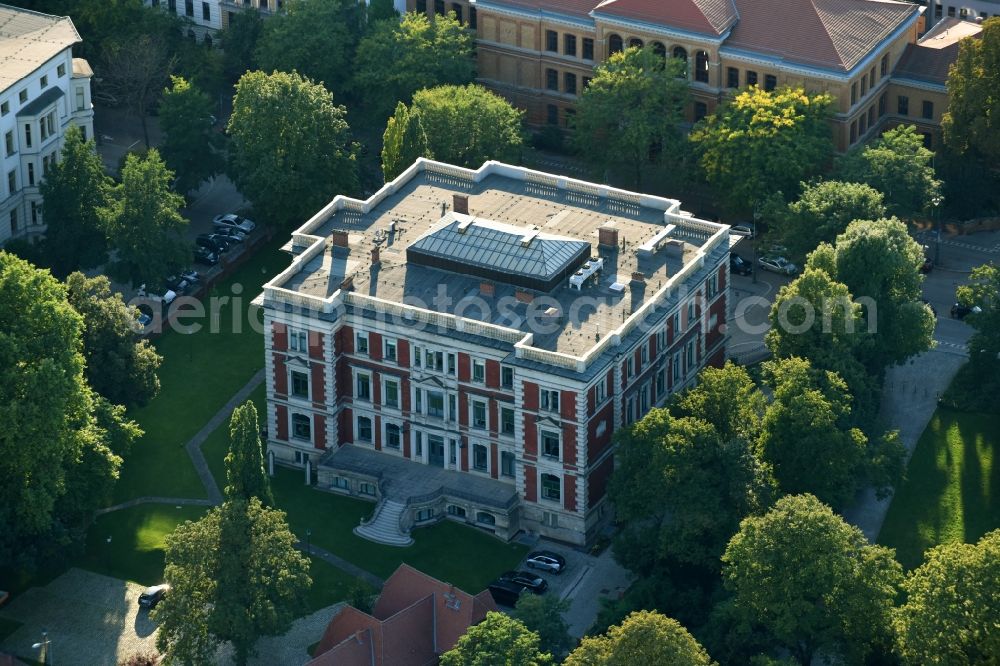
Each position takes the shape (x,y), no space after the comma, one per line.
(871,78)
(478,371)
(389,349)
(480,457)
(871,116)
(864,85)
(550,444)
(435,404)
(297,340)
(937,11)
(362,343)
(770,82)
(569,81)
(507,420)
(600,390)
(551,489)
(751,78)
(206,12)
(8,140)
(661,340)
(391,393)
(433,360)
(881,105)
(79,98)
(457,8)
(301,427)
(418,404)
(644,353)
(701,66)
(367,489)
(364,429)
(457,511)
(712,285)
(927,110)
(551,41)
(689,355)
(486,518)
(418,444)
(452,448)
(507,377)
(479,414)
(12,182)
(417,356)
(691,313)
(452,407)
(732,77)
(588,48)
(22,96)
(452,364)
(472,18)
(506,463)
(61,70)
(424,515)
(681,54)
(635,42)
(552,114)
(627,369)
(700,110)
(4,108)
(34,212)
(951,11)
(172,5)
(552,80)
(854,93)
(364,382)
(27,135)
(569,45)
(903,105)
(189,7)
(659,49)
(550,519)
(661,383)
(392,436)
(421,6)
(928,140)
(550,400)
(43,82)
(677,366)
(341,482)
(854,131)
(300,384)
(13,221)
(614,44)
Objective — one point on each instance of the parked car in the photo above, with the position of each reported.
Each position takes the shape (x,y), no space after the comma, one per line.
(143,318)
(504,593)
(741,230)
(206,241)
(959,311)
(546,561)
(525,579)
(231,232)
(167,298)
(205,257)
(153,595)
(192,276)
(928,264)
(178,284)
(777,264)
(224,242)
(739,265)
(234,221)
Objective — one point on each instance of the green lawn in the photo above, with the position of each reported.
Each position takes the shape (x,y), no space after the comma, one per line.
(217,444)
(200,373)
(7,627)
(952,489)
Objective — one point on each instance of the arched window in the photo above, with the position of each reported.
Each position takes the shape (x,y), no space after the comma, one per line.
(635,41)
(659,49)
(614,44)
(681,54)
(701,67)
(484,518)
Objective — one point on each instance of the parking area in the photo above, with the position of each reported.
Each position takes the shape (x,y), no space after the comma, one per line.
(90,620)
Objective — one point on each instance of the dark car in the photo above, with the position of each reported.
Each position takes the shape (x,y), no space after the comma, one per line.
(178,284)
(206,241)
(224,242)
(958,311)
(928,264)
(204,256)
(153,595)
(739,265)
(525,579)
(546,561)
(505,593)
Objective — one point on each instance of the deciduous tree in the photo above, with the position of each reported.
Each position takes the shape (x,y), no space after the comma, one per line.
(631,110)
(397,58)
(498,640)
(983,292)
(645,637)
(290,150)
(245,475)
(812,580)
(239,43)
(120,367)
(726,397)
(133,73)
(951,609)
(971,128)
(190,146)
(144,223)
(75,190)
(543,614)
(403,142)
(762,142)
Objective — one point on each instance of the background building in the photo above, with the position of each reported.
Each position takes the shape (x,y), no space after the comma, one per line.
(464,343)
(43,89)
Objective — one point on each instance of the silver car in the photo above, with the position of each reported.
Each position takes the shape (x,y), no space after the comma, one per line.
(778,265)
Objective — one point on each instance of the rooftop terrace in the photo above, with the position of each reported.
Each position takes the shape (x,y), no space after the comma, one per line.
(517,211)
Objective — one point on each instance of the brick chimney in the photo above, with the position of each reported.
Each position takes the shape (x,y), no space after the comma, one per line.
(638,276)
(487,289)
(607,237)
(348,283)
(339,238)
(461,204)
(375,256)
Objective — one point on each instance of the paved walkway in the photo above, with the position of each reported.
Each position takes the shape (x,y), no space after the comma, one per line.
(184,501)
(343,565)
(289,649)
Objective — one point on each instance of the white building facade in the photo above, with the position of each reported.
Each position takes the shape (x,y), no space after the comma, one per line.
(43,90)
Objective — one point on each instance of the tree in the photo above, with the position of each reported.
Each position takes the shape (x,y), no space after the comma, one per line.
(239,43)
(51,443)
(543,614)
(726,397)
(134,71)
(397,58)
(234,575)
(680,491)
(74,191)
(120,367)
(467,125)
(245,475)
(763,142)
(632,109)
(897,165)
(822,212)
(970,127)
(403,142)
(381,10)
(645,637)
(316,38)
(290,148)
(144,223)
(951,607)
(497,640)
(190,146)
(812,580)
(983,292)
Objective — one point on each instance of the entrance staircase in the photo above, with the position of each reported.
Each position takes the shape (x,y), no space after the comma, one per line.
(384,525)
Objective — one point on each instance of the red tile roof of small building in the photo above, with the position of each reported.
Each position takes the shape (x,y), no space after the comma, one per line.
(930,59)
(712,17)
(575,8)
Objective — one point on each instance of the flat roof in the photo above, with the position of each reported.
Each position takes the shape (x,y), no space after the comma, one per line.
(336,245)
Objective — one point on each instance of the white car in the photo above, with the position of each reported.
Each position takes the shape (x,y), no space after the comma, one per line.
(741,230)
(777,265)
(167,298)
(234,221)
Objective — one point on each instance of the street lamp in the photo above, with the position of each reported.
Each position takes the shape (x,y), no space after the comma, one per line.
(936,203)
(308,534)
(44,647)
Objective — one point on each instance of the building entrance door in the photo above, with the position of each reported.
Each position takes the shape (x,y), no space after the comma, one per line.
(435,454)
